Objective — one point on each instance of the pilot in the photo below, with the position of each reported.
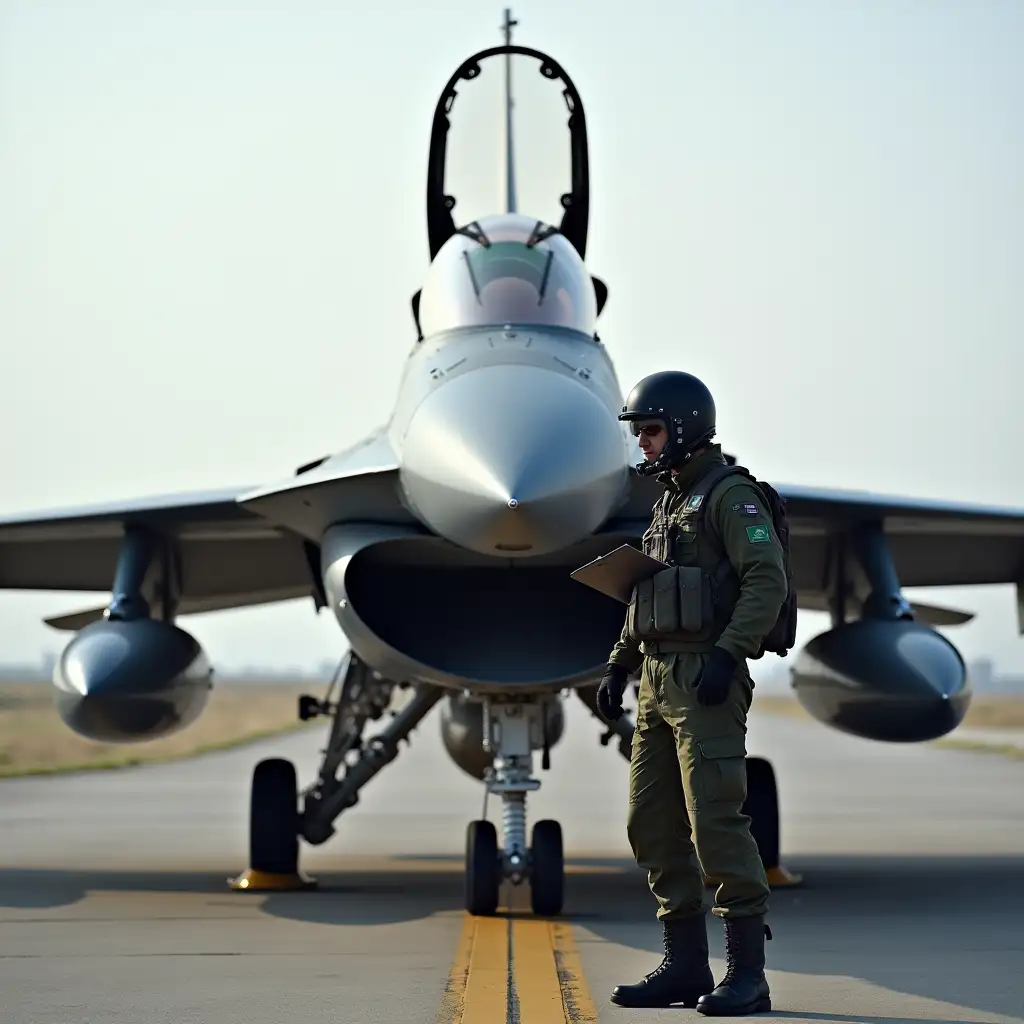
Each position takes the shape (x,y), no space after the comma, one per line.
(687,780)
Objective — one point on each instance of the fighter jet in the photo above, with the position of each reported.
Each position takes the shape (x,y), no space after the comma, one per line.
(443,543)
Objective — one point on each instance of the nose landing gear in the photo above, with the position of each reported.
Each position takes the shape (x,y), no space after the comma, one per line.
(513,730)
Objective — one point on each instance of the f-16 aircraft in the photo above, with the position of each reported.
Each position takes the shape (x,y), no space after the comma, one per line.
(443,542)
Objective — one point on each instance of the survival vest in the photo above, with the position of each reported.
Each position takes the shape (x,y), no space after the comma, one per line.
(781,638)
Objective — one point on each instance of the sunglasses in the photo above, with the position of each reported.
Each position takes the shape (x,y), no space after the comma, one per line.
(647,429)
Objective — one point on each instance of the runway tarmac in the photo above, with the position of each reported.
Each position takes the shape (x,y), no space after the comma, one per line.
(114,908)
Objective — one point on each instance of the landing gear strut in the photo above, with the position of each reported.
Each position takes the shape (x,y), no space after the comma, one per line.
(275,819)
(513,729)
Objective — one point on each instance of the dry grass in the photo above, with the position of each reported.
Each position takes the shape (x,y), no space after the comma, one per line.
(1004,712)
(34,740)
(996,713)
(1003,749)
(773,705)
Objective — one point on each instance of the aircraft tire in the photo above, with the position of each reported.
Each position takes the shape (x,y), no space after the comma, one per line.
(762,806)
(547,880)
(483,869)
(274,818)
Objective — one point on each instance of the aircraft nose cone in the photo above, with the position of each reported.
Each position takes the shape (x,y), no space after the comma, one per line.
(514,460)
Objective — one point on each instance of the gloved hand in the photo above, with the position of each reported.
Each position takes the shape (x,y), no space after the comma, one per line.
(713,685)
(609,693)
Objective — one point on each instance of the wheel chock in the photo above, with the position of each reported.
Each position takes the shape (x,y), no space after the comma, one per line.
(251,880)
(781,877)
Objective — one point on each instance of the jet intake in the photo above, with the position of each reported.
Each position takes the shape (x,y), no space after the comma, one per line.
(883,679)
(421,609)
(126,681)
(513,460)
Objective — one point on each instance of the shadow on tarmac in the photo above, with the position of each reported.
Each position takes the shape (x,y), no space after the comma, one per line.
(941,928)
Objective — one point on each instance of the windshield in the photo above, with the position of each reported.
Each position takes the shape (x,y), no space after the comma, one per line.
(507,269)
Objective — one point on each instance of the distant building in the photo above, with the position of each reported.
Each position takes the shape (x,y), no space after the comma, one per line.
(981,673)
(984,679)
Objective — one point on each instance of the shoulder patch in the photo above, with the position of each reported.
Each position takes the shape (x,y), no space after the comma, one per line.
(758,534)
(694,503)
(746,508)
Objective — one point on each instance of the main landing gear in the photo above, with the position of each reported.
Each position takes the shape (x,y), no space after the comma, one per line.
(512,730)
(761,805)
(275,820)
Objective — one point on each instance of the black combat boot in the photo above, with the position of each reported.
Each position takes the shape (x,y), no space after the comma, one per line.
(683,976)
(744,989)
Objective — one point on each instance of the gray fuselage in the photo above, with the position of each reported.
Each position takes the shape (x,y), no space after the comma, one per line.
(511,458)
(508,439)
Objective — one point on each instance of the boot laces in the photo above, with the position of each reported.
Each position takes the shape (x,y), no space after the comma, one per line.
(734,962)
(732,956)
(666,961)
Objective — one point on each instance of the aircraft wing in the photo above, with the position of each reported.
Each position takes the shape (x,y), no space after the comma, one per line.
(933,543)
(237,547)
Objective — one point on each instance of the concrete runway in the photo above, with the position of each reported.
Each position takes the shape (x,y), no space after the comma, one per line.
(114,908)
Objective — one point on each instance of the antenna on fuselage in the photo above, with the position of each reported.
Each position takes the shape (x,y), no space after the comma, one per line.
(510,168)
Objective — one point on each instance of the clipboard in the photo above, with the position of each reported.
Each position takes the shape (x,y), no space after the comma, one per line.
(618,572)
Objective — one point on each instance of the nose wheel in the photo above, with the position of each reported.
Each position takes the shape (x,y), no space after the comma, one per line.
(485,869)
(547,869)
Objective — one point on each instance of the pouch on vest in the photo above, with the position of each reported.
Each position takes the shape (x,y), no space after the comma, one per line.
(696,615)
(643,620)
(674,603)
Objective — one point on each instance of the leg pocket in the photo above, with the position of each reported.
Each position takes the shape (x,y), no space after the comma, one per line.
(723,768)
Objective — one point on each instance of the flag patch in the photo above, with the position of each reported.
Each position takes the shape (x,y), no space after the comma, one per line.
(758,534)
(694,503)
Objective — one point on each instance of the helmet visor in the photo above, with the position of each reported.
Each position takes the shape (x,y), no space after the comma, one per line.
(646,426)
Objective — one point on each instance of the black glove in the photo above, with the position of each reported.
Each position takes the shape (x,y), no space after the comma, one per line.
(609,693)
(713,685)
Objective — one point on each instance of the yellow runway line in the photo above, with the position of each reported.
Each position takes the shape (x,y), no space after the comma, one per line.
(537,991)
(487,983)
(577,1003)
(450,1010)
(516,969)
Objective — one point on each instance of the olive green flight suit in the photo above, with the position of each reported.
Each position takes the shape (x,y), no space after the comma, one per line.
(687,773)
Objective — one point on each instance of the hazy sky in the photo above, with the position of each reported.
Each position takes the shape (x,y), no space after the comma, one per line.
(212,220)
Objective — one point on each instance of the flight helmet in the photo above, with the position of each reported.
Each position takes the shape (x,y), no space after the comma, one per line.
(685,407)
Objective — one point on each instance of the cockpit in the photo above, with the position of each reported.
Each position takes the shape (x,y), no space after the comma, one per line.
(507,269)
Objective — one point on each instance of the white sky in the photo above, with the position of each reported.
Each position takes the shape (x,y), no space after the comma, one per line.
(212,220)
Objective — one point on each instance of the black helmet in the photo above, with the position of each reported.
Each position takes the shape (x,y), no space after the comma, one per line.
(684,404)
